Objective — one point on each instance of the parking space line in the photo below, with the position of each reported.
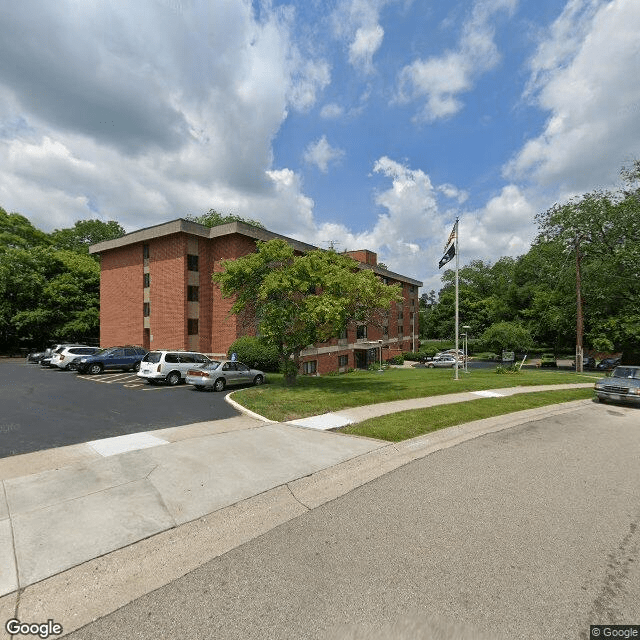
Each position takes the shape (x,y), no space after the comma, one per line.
(160,387)
(120,379)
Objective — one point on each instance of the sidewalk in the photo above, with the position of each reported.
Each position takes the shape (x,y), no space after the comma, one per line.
(86,529)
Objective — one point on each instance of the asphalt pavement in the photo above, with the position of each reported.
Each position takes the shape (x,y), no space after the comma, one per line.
(527,533)
(87,528)
(44,408)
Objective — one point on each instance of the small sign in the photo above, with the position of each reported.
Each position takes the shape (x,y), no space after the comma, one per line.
(508,356)
(234,357)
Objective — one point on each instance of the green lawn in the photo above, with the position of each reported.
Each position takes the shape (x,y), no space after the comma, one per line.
(316,395)
(409,424)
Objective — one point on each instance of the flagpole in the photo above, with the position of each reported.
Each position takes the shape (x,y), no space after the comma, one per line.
(457,267)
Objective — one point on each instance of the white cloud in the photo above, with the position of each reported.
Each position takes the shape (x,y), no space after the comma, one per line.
(358,22)
(413,224)
(367,41)
(147,111)
(321,153)
(562,41)
(331,111)
(416,219)
(592,99)
(439,80)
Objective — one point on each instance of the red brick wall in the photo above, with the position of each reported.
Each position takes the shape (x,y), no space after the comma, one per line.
(121,296)
(121,303)
(168,291)
(224,328)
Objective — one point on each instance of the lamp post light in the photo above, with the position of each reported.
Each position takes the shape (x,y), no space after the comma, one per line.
(466,327)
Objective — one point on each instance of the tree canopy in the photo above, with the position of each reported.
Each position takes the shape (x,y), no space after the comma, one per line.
(49,284)
(293,301)
(214,218)
(538,289)
(84,233)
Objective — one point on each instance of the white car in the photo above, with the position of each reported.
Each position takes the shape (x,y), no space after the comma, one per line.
(66,358)
(170,366)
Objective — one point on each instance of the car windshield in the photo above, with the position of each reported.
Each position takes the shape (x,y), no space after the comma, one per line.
(626,372)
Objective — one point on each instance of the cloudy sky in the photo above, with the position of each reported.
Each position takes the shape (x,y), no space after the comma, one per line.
(362,123)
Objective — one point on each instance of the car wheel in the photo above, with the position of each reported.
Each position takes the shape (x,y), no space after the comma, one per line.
(136,367)
(174,378)
(95,369)
(219,384)
(258,380)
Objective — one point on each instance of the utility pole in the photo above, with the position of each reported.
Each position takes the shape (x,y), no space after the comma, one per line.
(579,320)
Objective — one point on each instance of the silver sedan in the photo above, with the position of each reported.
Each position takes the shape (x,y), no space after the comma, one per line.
(441,361)
(219,373)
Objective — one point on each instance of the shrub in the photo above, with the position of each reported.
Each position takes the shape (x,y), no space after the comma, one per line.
(511,369)
(399,359)
(255,353)
(414,356)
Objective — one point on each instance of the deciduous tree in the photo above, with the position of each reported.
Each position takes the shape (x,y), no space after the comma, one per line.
(293,301)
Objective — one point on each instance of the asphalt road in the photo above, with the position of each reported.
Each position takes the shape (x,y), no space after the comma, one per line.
(47,408)
(530,533)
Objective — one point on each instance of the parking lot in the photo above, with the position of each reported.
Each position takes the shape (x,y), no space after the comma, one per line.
(44,408)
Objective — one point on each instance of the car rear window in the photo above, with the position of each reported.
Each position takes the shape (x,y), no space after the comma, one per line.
(152,356)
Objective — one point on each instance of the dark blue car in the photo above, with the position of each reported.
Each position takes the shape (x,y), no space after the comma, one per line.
(125,358)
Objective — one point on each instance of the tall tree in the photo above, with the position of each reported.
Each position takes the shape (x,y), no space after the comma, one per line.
(293,301)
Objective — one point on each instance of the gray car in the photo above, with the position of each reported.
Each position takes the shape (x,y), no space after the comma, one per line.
(622,386)
(219,373)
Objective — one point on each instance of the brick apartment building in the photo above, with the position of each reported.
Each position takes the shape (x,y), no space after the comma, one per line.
(156,291)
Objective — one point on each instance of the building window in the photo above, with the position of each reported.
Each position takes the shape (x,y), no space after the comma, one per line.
(361,332)
(309,368)
(343,361)
(146,309)
(192,263)
(145,251)
(192,326)
(343,334)
(193,293)
(385,330)
(146,280)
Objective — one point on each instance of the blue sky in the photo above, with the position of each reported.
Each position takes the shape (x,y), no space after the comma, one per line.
(362,123)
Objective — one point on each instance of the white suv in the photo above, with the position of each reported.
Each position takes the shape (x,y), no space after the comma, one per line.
(170,366)
(68,357)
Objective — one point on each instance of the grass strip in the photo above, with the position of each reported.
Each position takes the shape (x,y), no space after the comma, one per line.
(317,395)
(409,424)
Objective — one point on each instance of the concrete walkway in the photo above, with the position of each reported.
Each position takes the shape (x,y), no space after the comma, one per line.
(87,528)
